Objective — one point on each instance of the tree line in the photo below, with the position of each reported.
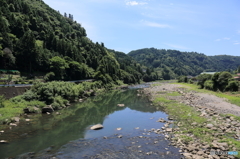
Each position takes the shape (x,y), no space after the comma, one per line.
(173,63)
(35,37)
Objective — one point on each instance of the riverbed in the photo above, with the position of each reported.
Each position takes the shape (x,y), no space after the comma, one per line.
(128,131)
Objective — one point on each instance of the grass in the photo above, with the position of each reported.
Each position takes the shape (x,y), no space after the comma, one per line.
(173,94)
(15,109)
(232,98)
(184,114)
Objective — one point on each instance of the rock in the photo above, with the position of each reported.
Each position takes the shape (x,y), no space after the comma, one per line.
(1,131)
(170,118)
(121,105)
(194,123)
(137,128)
(27,119)
(168,129)
(96,127)
(105,137)
(223,144)
(12,124)
(209,126)
(214,145)
(15,119)
(3,141)
(161,120)
(187,155)
(120,136)
(119,128)
(48,109)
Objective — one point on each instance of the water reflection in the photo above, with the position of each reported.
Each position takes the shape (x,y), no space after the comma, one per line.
(56,130)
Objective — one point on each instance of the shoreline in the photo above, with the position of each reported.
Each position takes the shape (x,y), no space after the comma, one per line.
(198,128)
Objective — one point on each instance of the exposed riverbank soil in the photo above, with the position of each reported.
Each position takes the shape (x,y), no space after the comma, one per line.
(217,126)
(196,99)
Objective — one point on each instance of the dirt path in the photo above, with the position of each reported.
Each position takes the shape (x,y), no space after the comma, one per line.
(197,99)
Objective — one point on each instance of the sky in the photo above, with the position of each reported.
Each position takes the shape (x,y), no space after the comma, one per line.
(208,27)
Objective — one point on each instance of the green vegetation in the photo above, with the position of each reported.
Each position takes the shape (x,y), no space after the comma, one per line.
(57,94)
(172,63)
(36,38)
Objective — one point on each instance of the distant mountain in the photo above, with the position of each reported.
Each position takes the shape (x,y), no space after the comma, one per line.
(35,37)
(175,63)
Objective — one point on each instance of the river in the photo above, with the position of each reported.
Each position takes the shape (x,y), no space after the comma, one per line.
(68,135)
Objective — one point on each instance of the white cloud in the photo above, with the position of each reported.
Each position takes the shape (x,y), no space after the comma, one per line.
(154,24)
(135,3)
(238,31)
(236,43)
(226,38)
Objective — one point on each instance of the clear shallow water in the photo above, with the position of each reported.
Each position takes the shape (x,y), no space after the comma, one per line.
(55,135)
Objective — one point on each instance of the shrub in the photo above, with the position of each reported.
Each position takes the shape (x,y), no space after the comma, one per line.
(17,99)
(202,78)
(182,79)
(209,84)
(29,95)
(49,76)
(232,86)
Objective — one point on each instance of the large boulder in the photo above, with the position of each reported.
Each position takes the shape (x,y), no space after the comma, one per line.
(96,127)
(48,109)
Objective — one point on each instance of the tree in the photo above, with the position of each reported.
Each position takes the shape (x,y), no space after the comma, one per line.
(232,85)
(27,54)
(58,66)
(223,80)
(202,78)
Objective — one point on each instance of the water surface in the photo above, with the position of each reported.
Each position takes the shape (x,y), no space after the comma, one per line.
(55,135)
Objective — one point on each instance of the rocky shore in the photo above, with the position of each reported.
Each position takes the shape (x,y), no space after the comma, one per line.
(219,132)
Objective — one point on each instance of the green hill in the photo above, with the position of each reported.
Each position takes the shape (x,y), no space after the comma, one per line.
(35,37)
(174,63)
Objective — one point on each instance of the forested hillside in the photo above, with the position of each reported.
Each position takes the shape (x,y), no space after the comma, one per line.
(173,63)
(34,37)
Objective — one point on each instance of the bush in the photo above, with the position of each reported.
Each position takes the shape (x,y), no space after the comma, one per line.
(182,79)
(209,84)
(29,95)
(17,99)
(232,86)
(49,76)
(59,102)
(202,78)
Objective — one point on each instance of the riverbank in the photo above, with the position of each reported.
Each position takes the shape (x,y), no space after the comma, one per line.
(202,122)
(47,98)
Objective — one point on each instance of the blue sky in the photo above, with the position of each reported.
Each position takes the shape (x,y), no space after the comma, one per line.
(209,27)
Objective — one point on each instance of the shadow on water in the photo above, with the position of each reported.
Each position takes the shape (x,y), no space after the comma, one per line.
(46,134)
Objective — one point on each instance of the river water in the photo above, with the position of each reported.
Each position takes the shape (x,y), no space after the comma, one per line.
(68,135)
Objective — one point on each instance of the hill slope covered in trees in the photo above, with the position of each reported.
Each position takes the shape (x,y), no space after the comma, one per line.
(35,37)
(173,63)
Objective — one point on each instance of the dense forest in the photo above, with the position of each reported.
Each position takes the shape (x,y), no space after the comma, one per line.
(36,38)
(173,63)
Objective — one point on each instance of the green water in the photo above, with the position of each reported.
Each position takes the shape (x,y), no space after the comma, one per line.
(54,131)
